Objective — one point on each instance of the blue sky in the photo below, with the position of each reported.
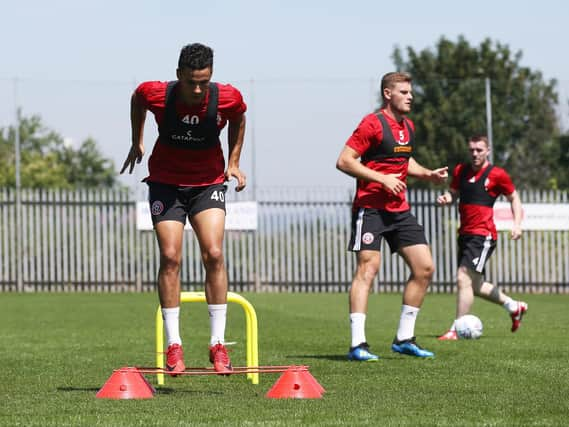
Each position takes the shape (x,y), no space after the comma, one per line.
(308,70)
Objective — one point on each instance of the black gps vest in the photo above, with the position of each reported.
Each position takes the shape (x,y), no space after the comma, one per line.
(189,133)
(474,193)
(389,148)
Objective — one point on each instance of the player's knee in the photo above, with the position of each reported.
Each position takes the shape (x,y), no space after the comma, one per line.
(368,271)
(213,257)
(170,260)
(462,276)
(429,271)
(422,275)
(425,273)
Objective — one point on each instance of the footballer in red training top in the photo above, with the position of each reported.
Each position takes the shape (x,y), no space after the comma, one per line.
(186,178)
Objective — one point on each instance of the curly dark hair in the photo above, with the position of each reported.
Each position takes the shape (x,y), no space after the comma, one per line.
(195,56)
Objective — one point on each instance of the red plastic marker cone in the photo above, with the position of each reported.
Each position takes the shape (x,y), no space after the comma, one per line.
(296,383)
(309,377)
(126,383)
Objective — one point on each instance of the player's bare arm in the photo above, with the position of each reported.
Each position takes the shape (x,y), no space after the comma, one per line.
(516,206)
(437,176)
(447,197)
(235,135)
(137,118)
(348,162)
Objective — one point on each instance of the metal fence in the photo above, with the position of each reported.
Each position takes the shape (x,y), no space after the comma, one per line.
(88,241)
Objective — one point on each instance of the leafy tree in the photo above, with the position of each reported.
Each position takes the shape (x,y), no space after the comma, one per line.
(46,162)
(86,167)
(561,180)
(450,105)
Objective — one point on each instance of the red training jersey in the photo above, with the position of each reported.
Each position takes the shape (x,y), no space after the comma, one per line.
(183,167)
(478,219)
(368,136)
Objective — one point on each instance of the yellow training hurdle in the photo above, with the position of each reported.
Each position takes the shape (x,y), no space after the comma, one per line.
(251,324)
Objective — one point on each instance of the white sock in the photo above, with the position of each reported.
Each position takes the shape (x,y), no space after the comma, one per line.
(406,328)
(217,317)
(453,327)
(171,317)
(510,305)
(358,328)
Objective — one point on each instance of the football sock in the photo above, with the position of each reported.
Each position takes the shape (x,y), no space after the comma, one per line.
(510,305)
(171,317)
(357,326)
(452,327)
(217,318)
(406,328)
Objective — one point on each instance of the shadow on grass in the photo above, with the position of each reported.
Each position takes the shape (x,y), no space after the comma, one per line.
(94,389)
(167,391)
(342,358)
(333,357)
(483,337)
(161,390)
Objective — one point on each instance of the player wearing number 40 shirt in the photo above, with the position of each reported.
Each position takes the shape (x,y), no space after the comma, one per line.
(379,154)
(186,182)
(477,185)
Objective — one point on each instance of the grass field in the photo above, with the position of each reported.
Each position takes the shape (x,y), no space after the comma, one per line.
(57,350)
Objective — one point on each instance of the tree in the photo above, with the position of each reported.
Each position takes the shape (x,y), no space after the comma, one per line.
(46,162)
(86,167)
(450,105)
(561,179)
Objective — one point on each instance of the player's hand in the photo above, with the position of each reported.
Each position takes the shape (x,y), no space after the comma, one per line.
(234,172)
(444,199)
(516,232)
(439,175)
(134,156)
(392,183)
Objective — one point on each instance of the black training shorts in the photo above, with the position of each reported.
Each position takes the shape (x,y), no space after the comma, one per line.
(399,229)
(174,203)
(474,251)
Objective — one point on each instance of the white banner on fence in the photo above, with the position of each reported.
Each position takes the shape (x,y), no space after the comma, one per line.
(536,216)
(239,216)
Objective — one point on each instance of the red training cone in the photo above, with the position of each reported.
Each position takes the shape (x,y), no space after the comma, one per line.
(309,377)
(296,383)
(126,383)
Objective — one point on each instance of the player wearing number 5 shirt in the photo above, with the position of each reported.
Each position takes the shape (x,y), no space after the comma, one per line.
(186,182)
(379,154)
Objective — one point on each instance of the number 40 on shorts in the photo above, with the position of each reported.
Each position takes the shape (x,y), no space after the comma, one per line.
(218,196)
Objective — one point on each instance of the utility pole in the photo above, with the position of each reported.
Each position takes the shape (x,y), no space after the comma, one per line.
(489,118)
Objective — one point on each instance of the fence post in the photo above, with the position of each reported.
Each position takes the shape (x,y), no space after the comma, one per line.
(137,249)
(19,269)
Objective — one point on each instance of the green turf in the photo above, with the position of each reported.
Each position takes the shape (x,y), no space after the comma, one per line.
(57,350)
